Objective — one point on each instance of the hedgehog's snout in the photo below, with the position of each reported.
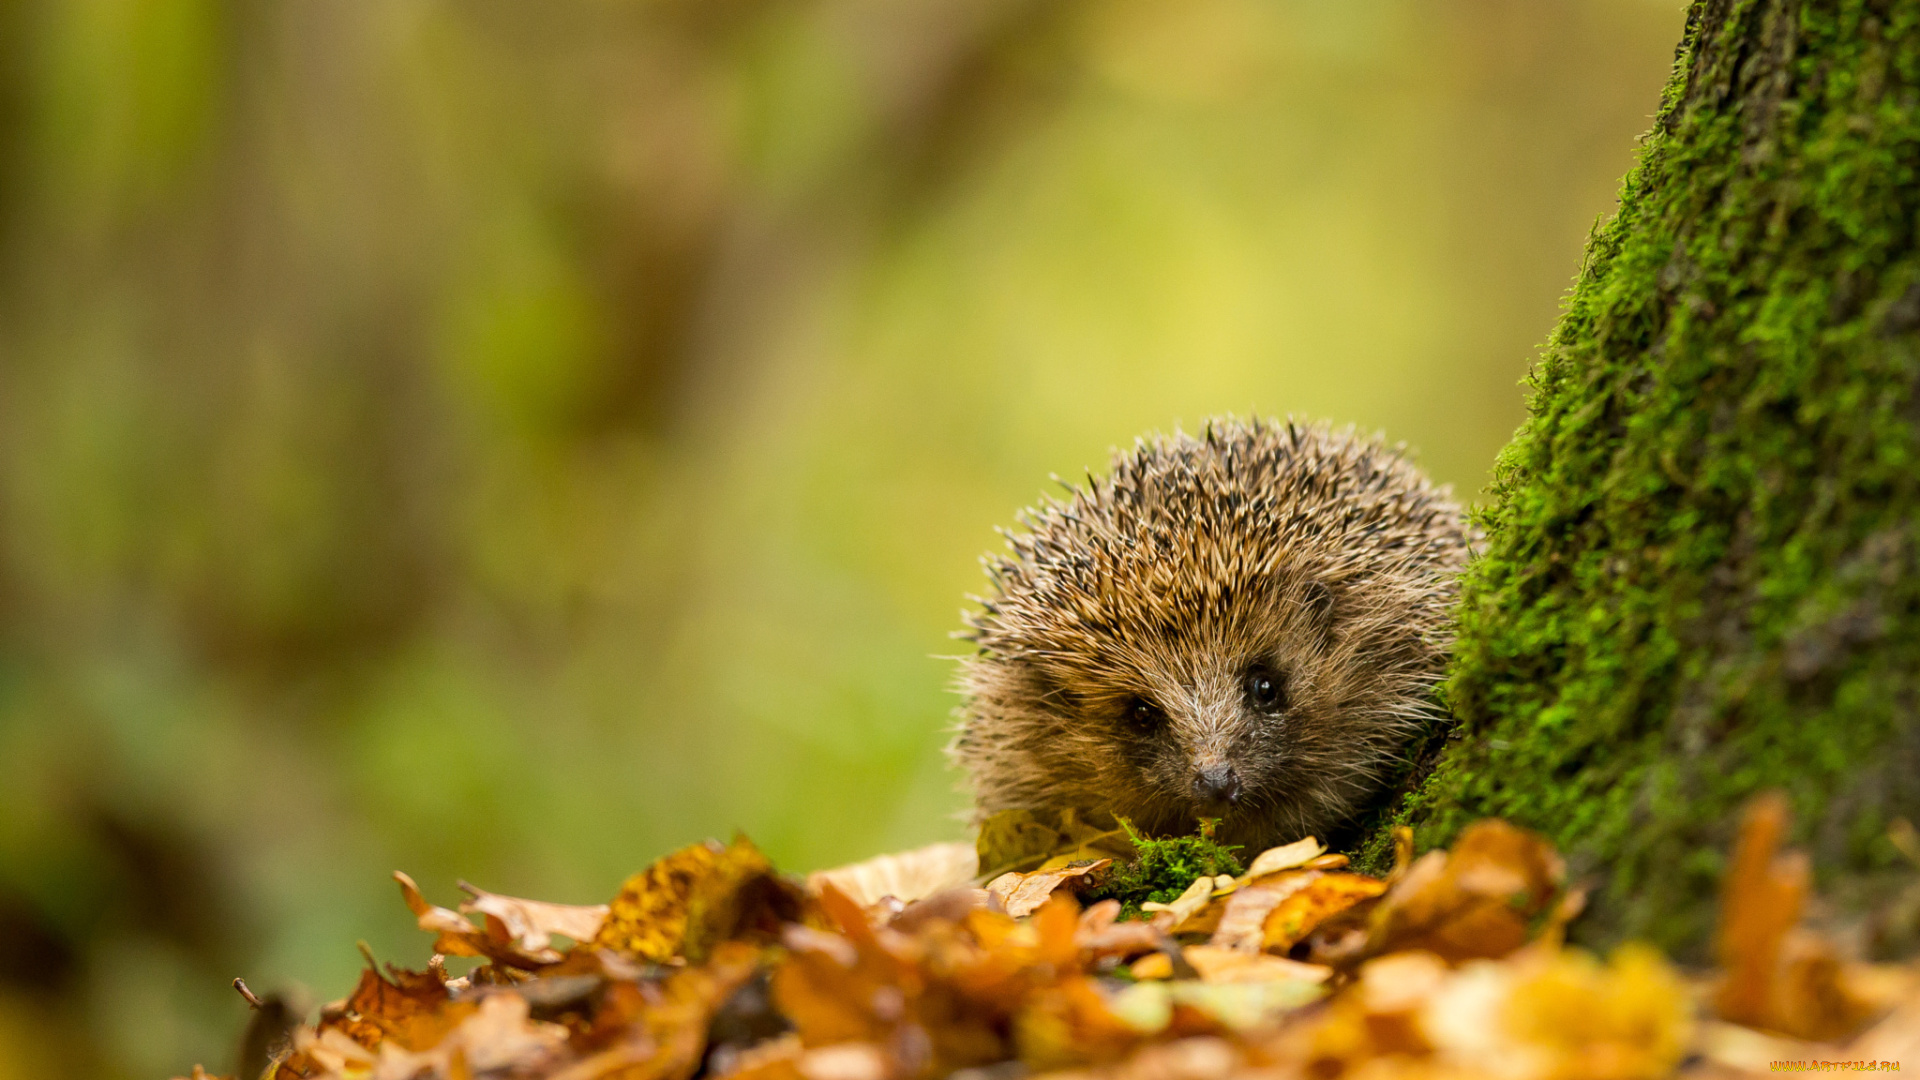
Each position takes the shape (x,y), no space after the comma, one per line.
(1216,786)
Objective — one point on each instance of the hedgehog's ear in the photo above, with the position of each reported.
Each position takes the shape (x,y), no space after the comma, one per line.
(1319,609)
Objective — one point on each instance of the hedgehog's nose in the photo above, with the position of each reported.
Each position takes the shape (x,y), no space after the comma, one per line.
(1217,785)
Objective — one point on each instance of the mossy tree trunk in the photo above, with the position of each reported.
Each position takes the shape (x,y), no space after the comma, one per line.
(1701,576)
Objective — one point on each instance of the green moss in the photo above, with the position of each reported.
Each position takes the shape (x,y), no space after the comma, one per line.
(1165,868)
(1699,579)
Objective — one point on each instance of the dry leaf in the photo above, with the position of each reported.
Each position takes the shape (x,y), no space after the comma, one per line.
(1244,917)
(456,934)
(1022,894)
(1288,857)
(1182,916)
(1027,840)
(1474,901)
(515,932)
(676,980)
(533,923)
(1627,1019)
(1216,964)
(688,901)
(496,1036)
(1775,977)
(846,1061)
(1156,966)
(1760,902)
(1321,898)
(906,876)
(1100,935)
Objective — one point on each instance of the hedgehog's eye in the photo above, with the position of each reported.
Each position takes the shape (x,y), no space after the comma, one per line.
(1144,714)
(1266,689)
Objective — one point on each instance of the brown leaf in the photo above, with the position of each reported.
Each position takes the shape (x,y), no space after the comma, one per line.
(1022,894)
(1775,976)
(1157,966)
(775,1059)
(1100,935)
(906,876)
(412,1009)
(457,935)
(1304,910)
(1760,901)
(1222,965)
(499,1035)
(1069,1024)
(1577,1017)
(1474,901)
(531,924)
(1245,915)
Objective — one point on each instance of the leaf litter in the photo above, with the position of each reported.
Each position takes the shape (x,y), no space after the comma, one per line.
(712,964)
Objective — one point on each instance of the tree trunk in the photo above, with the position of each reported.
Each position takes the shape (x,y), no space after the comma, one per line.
(1699,577)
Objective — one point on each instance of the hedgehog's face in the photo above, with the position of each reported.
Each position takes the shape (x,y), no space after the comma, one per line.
(1246,714)
(1204,747)
(1218,722)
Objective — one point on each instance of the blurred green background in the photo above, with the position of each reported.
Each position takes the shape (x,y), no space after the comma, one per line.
(508,441)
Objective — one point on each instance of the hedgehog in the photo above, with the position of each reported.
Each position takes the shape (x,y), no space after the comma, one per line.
(1243,628)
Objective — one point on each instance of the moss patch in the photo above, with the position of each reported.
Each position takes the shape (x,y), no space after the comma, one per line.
(1165,868)
(1700,572)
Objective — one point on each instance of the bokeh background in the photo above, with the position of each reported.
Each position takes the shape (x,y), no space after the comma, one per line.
(508,441)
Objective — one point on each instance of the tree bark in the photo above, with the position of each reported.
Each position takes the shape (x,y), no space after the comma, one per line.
(1698,580)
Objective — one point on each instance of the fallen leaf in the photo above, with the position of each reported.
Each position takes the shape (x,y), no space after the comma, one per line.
(411,1009)
(687,902)
(846,1061)
(456,934)
(1155,1008)
(1218,965)
(1243,920)
(532,924)
(1027,840)
(496,1036)
(1628,1018)
(1185,906)
(1068,1024)
(1303,910)
(946,985)
(1760,901)
(1287,857)
(1101,935)
(906,876)
(1022,894)
(1895,1038)
(775,1059)
(1156,966)
(1474,901)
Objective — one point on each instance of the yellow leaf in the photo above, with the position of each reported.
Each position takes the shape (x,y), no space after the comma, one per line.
(1027,840)
(1274,860)
(688,901)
